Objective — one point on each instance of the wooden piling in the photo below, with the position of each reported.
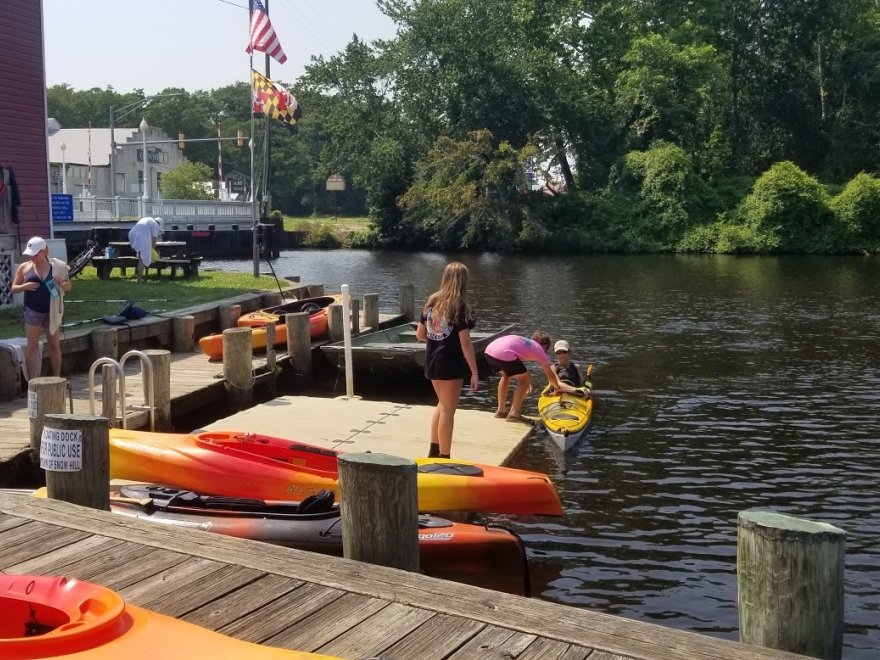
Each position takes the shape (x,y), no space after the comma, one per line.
(11,383)
(227,316)
(76,458)
(184,333)
(335,319)
(407,302)
(238,367)
(355,316)
(45,397)
(109,380)
(105,343)
(790,583)
(271,299)
(161,362)
(315,290)
(299,345)
(379,509)
(371,311)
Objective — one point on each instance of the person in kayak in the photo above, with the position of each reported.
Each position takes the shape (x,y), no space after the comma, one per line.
(565,369)
(445,324)
(508,355)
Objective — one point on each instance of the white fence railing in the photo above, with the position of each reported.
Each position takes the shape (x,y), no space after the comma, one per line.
(99,210)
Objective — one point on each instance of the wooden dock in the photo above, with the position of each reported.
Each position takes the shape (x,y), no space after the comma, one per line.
(299,600)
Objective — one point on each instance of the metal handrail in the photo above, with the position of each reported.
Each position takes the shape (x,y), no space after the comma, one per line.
(149,394)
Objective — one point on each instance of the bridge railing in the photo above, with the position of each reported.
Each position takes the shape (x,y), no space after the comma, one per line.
(99,210)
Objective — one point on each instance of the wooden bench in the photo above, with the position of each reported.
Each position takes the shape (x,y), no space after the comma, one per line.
(189,266)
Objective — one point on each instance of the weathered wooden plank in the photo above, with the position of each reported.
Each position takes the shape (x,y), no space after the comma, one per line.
(437,638)
(188,597)
(329,622)
(8,522)
(150,563)
(159,584)
(264,623)
(492,643)
(108,559)
(551,649)
(575,626)
(243,601)
(602,655)
(40,540)
(375,634)
(57,561)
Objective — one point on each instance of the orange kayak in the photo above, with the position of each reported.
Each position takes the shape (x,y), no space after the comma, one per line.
(250,465)
(58,617)
(212,345)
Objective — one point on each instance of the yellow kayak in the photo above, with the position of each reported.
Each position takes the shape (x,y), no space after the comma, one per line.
(565,416)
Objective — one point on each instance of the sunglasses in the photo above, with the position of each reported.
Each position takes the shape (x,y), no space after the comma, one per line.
(561,352)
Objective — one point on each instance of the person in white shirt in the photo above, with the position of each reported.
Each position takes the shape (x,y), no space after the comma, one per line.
(143,237)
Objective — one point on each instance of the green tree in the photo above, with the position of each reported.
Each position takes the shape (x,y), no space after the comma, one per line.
(188,181)
(857,207)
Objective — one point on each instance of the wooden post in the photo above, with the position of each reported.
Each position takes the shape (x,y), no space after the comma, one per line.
(271,299)
(238,367)
(335,319)
(105,343)
(184,333)
(227,316)
(76,457)
(315,290)
(270,347)
(371,311)
(790,583)
(109,378)
(355,316)
(299,345)
(380,511)
(407,302)
(11,383)
(45,397)
(161,361)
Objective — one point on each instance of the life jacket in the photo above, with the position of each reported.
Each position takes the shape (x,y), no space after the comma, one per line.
(571,373)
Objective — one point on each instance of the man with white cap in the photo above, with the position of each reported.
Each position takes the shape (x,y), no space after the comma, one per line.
(143,237)
(566,369)
(43,280)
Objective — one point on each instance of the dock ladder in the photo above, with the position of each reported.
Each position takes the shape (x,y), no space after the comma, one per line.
(149,395)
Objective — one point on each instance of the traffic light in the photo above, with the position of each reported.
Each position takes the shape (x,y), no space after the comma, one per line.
(180,141)
(240,138)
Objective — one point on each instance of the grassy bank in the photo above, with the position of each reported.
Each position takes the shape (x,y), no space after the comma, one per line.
(328,232)
(154,295)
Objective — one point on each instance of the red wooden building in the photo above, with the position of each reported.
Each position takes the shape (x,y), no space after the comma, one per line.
(23,125)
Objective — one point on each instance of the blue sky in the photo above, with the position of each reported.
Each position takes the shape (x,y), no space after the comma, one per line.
(194,44)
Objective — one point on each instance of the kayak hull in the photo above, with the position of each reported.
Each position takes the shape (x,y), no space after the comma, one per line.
(486,556)
(565,416)
(58,617)
(250,465)
(212,345)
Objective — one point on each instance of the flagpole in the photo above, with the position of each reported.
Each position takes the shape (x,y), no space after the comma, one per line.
(255,245)
(267,146)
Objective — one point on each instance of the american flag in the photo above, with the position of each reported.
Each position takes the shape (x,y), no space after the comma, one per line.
(263,37)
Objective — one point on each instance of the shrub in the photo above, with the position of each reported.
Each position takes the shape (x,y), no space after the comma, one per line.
(857,208)
(789,207)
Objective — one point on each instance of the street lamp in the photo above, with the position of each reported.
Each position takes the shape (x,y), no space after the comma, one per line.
(63,168)
(144,128)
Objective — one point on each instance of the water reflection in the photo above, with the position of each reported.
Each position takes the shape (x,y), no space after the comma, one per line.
(722,384)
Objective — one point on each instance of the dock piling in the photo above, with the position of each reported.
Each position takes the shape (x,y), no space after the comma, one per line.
(407,302)
(299,345)
(790,583)
(335,318)
(45,397)
(238,367)
(379,509)
(76,458)
(227,316)
(184,333)
(109,377)
(161,361)
(371,311)
(105,343)
(355,316)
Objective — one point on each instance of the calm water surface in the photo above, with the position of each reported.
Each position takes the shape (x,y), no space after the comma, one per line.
(722,384)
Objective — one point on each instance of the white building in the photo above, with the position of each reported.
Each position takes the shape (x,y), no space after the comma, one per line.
(86,157)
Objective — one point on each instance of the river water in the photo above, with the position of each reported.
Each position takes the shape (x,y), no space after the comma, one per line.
(721,384)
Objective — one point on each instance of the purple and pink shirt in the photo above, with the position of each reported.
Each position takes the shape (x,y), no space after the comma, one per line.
(512,347)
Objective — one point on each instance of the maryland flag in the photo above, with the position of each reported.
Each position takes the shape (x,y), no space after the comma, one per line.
(273,100)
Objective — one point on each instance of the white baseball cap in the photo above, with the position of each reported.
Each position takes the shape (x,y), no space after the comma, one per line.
(561,345)
(35,245)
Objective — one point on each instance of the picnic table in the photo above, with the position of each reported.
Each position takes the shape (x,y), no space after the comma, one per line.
(173,255)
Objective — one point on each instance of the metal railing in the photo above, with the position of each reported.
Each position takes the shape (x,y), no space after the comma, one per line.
(95,210)
(149,394)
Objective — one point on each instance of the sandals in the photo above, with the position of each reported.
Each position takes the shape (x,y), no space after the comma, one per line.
(501,415)
(516,418)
